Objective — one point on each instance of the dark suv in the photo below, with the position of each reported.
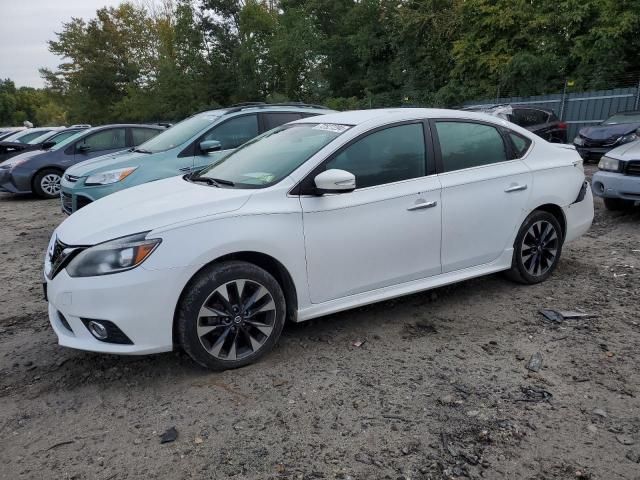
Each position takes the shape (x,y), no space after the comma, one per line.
(540,121)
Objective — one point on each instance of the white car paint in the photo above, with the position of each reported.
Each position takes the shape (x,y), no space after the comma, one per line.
(341,251)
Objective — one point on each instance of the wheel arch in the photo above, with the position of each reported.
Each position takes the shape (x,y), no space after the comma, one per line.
(557,212)
(262,260)
(42,168)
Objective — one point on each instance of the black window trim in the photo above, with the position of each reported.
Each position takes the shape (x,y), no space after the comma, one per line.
(305,187)
(506,141)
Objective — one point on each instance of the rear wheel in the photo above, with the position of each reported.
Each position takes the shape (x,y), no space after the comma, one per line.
(617,204)
(231,315)
(537,248)
(46,183)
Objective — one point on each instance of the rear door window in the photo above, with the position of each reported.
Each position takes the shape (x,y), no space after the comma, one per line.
(467,145)
(235,131)
(273,120)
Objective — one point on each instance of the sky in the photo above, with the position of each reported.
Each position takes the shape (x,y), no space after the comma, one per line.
(25,28)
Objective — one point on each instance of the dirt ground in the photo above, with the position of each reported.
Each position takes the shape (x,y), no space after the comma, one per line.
(439,389)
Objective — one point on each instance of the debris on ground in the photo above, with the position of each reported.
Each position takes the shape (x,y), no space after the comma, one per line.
(358,343)
(559,316)
(535,362)
(169,436)
(599,412)
(534,394)
(625,439)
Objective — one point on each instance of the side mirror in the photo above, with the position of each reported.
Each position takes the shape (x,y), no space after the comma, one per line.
(208,146)
(48,145)
(83,148)
(335,181)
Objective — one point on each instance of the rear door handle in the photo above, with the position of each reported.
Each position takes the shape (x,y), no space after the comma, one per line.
(421,205)
(516,188)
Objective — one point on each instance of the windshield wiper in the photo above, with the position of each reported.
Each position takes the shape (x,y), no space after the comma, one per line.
(215,182)
(141,150)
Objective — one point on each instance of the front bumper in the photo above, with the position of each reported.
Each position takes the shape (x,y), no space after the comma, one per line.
(616,185)
(9,184)
(592,153)
(140,302)
(74,195)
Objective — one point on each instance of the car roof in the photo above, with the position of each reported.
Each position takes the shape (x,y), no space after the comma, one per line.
(383,116)
(267,107)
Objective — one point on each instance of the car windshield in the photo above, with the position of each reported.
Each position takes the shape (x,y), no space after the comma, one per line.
(22,136)
(70,139)
(272,156)
(179,133)
(623,118)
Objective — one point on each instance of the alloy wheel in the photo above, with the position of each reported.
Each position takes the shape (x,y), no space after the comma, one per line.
(236,320)
(50,184)
(539,248)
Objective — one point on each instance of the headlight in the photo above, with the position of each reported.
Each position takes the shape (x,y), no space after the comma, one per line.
(578,141)
(110,176)
(628,138)
(609,164)
(113,256)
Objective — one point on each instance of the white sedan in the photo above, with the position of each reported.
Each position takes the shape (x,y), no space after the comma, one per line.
(314,217)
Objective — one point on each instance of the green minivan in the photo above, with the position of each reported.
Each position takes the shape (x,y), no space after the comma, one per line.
(194,143)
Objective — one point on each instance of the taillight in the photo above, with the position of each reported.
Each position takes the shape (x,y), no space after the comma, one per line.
(562,125)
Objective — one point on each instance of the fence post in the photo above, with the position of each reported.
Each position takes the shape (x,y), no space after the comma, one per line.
(562,101)
(637,96)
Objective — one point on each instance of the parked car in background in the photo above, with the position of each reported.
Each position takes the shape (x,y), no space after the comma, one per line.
(25,136)
(540,121)
(593,142)
(314,217)
(44,141)
(40,171)
(617,180)
(7,131)
(199,140)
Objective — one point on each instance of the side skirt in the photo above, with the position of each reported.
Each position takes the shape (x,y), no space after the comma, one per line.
(317,310)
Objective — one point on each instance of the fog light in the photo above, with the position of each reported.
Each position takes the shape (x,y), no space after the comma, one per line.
(598,187)
(97,330)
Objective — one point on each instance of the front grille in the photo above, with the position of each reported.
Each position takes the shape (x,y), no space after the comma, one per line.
(633,168)
(67,202)
(58,248)
(82,202)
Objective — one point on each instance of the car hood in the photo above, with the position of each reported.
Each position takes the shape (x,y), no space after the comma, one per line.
(147,207)
(604,132)
(111,161)
(628,151)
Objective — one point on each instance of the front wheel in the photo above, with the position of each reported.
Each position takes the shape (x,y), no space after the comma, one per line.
(231,315)
(46,183)
(537,248)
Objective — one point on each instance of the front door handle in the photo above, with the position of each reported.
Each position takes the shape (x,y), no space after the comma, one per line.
(421,205)
(516,188)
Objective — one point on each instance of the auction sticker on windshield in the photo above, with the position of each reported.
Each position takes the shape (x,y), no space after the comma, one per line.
(331,127)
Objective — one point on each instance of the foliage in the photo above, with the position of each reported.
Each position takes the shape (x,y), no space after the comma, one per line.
(166,59)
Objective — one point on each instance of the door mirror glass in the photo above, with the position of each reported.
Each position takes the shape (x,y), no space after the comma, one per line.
(335,181)
(208,146)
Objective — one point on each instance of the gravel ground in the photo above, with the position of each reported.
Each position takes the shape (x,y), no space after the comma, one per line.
(438,389)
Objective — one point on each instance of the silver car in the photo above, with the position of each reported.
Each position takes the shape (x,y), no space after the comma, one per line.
(618,178)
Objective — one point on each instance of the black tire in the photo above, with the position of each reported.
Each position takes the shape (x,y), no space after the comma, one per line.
(532,255)
(242,329)
(618,204)
(43,183)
